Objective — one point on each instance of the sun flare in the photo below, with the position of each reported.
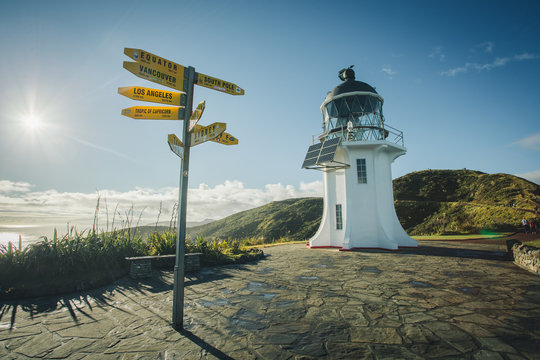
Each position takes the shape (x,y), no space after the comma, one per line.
(32,122)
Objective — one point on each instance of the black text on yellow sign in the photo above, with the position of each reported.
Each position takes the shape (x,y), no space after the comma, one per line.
(196,115)
(176,145)
(225,139)
(205,133)
(154,112)
(156,75)
(219,85)
(152,95)
(157,62)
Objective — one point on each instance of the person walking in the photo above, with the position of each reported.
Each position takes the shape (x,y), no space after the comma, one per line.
(525,224)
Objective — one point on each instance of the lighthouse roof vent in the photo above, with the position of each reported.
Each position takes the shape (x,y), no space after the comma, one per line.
(349,84)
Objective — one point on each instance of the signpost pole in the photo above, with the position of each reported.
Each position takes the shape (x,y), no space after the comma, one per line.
(178,289)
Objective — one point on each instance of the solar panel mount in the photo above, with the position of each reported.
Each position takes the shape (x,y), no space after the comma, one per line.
(321,156)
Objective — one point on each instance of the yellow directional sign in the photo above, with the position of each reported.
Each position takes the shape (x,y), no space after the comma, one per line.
(225,139)
(157,62)
(204,133)
(176,145)
(158,76)
(219,85)
(196,115)
(152,95)
(154,112)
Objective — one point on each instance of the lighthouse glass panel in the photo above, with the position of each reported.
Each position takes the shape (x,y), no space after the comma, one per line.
(365,113)
(361,171)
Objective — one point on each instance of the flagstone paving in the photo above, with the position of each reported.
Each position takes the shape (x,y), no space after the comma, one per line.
(439,301)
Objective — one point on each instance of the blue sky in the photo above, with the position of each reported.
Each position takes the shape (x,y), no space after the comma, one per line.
(458,78)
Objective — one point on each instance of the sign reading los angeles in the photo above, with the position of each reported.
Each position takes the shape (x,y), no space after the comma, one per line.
(152,95)
(219,85)
(202,134)
(154,112)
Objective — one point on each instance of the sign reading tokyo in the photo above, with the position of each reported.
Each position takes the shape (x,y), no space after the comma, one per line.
(152,95)
(144,57)
(154,112)
(204,133)
(219,85)
(225,139)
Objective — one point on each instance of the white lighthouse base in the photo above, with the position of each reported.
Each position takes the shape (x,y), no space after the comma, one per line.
(365,216)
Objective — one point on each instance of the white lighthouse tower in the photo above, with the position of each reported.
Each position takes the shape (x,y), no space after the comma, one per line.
(355,152)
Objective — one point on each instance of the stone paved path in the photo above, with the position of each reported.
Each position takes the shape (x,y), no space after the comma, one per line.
(298,303)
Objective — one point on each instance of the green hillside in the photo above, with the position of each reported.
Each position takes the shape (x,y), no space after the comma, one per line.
(427,202)
(462,201)
(295,219)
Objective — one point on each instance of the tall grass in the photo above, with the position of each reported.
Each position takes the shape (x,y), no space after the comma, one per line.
(91,254)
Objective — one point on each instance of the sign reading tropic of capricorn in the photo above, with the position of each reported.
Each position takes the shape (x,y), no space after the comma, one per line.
(168,73)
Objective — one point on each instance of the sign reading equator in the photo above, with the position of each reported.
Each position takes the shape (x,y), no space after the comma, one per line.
(157,62)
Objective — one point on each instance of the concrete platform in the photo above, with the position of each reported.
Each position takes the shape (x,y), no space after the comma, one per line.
(439,301)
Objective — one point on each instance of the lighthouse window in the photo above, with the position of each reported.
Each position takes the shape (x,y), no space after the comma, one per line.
(339,217)
(361,171)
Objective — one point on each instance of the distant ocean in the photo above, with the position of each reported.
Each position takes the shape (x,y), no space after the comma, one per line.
(28,233)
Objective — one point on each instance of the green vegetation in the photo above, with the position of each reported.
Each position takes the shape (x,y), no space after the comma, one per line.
(287,220)
(79,261)
(426,202)
(463,201)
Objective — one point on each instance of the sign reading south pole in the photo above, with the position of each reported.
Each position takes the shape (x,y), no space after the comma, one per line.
(154,112)
(219,85)
(151,95)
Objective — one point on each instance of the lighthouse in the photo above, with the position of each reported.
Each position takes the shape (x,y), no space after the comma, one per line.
(355,153)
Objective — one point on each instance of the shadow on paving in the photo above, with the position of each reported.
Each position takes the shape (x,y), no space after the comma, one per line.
(77,304)
(456,252)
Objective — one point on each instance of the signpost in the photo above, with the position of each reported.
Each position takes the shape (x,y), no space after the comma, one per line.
(165,72)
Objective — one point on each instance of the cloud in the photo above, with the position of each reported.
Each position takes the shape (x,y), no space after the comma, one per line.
(20,206)
(7,186)
(388,70)
(437,53)
(531,142)
(533,176)
(496,63)
(485,47)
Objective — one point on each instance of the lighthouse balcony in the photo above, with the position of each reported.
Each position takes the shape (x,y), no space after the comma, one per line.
(363,132)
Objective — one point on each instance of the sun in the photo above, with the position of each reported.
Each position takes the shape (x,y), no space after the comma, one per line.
(31,122)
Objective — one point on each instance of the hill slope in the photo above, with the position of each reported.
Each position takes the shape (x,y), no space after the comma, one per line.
(296,219)
(427,202)
(462,201)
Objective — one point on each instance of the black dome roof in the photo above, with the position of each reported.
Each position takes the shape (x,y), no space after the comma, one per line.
(349,84)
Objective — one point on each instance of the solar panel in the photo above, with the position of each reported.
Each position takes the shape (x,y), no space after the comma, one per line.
(312,155)
(321,152)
